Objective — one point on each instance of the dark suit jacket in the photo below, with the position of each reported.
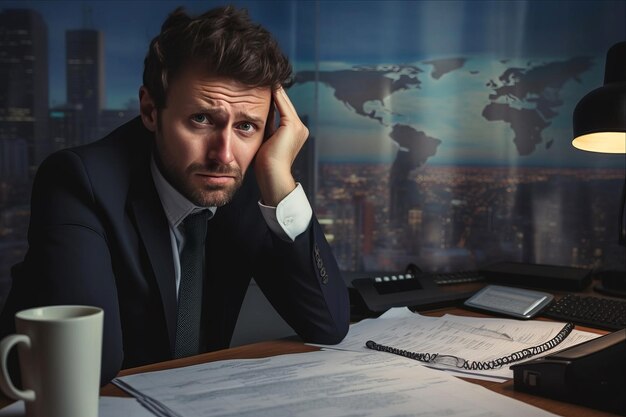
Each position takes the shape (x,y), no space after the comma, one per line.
(98,236)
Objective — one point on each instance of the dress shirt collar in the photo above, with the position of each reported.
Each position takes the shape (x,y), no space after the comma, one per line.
(175,205)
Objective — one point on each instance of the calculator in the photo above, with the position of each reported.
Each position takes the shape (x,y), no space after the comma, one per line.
(510,301)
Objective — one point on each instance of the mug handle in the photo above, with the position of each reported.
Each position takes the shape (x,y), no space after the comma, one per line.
(5,380)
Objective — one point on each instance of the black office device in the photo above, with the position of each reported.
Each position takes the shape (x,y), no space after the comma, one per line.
(379,291)
(510,301)
(603,313)
(551,277)
(592,373)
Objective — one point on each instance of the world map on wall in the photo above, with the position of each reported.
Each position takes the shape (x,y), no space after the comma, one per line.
(526,98)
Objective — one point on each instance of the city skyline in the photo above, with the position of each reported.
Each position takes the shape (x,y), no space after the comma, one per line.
(452,153)
(467,217)
(127,28)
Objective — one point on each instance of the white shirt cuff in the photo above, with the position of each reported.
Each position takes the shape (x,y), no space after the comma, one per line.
(292,215)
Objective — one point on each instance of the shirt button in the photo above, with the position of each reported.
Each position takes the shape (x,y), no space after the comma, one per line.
(287,221)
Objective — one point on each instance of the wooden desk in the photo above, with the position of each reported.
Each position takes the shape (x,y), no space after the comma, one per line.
(278,347)
(272,348)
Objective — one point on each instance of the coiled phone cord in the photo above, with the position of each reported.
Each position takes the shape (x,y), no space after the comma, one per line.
(451,360)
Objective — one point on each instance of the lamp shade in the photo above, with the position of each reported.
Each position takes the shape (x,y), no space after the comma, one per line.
(600,116)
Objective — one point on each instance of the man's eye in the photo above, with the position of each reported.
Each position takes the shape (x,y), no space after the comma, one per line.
(246,127)
(199,118)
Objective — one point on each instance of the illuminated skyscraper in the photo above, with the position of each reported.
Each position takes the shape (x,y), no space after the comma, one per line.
(415,149)
(85,79)
(24,81)
(13,159)
(364,220)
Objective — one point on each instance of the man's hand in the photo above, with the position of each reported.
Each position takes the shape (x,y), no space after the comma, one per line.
(275,157)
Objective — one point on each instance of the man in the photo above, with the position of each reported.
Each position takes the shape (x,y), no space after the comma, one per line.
(110,220)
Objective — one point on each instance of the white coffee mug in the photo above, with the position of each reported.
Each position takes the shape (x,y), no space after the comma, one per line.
(59,350)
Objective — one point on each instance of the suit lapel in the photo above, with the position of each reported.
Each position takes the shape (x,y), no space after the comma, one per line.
(154,232)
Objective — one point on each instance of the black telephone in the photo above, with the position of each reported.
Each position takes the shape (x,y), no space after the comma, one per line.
(592,373)
(421,290)
(412,288)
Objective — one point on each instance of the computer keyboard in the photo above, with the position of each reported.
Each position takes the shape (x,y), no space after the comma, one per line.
(587,310)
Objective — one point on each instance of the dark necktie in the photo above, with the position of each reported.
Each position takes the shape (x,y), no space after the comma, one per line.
(190,289)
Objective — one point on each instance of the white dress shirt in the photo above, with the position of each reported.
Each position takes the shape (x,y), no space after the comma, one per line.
(287,220)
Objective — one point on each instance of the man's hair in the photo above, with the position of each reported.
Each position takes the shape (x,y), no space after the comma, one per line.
(224,41)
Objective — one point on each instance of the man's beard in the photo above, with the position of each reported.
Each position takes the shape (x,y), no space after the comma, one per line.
(205,195)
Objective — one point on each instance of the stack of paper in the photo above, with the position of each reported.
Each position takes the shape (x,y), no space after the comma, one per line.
(323,383)
(469,338)
(350,380)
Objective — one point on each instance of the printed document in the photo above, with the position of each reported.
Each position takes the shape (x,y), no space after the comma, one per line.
(469,338)
(322,383)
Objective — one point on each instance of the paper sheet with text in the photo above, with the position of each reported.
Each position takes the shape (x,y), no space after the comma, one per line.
(323,383)
(469,338)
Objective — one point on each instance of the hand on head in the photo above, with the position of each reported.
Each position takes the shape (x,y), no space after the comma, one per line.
(275,157)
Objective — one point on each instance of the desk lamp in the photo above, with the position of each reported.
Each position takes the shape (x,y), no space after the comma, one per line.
(600,126)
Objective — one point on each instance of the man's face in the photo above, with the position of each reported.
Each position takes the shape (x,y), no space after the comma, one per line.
(209,132)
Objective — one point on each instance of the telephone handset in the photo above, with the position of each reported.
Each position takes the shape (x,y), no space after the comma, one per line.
(592,373)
